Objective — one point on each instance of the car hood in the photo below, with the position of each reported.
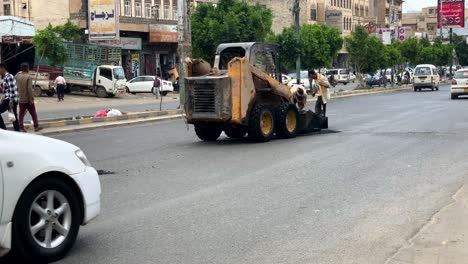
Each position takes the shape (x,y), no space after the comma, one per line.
(52,154)
(33,142)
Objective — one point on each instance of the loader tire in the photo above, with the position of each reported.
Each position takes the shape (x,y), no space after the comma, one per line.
(287,121)
(208,132)
(235,132)
(261,123)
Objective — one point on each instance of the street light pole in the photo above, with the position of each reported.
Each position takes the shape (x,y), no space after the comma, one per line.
(440,18)
(184,40)
(296,13)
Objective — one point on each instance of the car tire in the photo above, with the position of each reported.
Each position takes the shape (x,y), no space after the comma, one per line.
(287,121)
(415,89)
(261,123)
(208,132)
(127,90)
(235,132)
(50,93)
(37,91)
(101,92)
(453,96)
(29,247)
(345,83)
(164,93)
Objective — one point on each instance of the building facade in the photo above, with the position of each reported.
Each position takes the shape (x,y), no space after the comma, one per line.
(388,12)
(148,34)
(424,23)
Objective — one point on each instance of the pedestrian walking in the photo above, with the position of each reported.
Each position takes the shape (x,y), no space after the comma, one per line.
(60,85)
(26,97)
(157,86)
(322,90)
(9,102)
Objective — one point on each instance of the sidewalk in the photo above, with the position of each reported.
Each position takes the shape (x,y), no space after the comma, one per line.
(444,240)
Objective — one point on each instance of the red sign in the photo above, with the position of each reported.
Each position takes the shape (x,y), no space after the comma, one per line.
(451,13)
(17,39)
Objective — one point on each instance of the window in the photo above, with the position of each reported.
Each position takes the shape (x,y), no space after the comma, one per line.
(148,10)
(138,9)
(7,10)
(106,73)
(167,12)
(431,11)
(127,8)
(174,11)
(156,11)
(313,14)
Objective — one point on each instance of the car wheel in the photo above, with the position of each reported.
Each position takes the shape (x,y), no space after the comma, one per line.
(50,93)
(127,90)
(415,89)
(164,93)
(37,91)
(345,83)
(46,221)
(101,92)
(453,96)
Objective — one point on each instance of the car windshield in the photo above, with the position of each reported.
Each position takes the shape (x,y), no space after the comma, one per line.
(344,72)
(461,75)
(119,74)
(423,71)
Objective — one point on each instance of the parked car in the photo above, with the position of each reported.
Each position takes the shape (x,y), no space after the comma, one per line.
(304,81)
(43,84)
(375,79)
(459,84)
(144,84)
(49,190)
(340,75)
(426,76)
(352,77)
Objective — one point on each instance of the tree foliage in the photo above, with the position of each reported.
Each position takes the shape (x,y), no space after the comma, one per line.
(229,21)
(318,46)
(461,49)
(366,53)
(49,42)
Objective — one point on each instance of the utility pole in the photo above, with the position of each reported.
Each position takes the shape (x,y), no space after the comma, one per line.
(184,39)
(296,13)
(451,52)
(441,13)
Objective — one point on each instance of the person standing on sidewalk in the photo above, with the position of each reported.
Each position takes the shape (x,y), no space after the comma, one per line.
(26,97)
(60,85)
(324,94)
(156,86)
(9,102)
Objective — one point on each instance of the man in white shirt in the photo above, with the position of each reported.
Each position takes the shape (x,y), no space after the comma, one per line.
(60,85)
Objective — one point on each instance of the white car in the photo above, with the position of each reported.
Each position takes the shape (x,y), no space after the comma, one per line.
(48,189)
(426,76)
(144,84)
(459,84)
(304,81)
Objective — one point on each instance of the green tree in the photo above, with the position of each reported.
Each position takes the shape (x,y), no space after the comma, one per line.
(318,46)
(229,21)
(461,49)
(365,52)
(410,50)
(49,43)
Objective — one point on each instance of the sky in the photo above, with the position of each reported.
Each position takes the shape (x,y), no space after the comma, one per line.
(417,5)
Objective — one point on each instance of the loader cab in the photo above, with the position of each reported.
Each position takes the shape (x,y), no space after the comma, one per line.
(261,55)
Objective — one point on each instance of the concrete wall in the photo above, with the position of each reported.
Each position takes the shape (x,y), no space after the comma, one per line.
(44,12)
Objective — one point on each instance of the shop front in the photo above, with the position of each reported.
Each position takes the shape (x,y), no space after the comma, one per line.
(131,56)
(161,51)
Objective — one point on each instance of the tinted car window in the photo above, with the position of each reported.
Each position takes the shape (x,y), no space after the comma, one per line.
(344,72)
(423,71)
(461,75)
(106,73)
(138,79)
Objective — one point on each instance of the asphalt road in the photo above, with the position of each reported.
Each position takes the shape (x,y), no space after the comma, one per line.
(352,194)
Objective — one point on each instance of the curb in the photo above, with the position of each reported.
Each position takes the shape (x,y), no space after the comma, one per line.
(89,123)
(86,120)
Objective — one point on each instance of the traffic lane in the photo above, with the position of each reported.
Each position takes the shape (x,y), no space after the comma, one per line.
(328,198)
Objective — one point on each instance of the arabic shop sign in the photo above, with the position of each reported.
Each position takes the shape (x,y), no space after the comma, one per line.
(163,33)
(451,13)
(103,19)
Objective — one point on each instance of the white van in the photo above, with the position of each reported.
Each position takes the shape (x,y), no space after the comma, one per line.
(426,76)
(341,75)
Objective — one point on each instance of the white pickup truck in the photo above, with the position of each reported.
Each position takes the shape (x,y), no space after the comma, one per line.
(43,85)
